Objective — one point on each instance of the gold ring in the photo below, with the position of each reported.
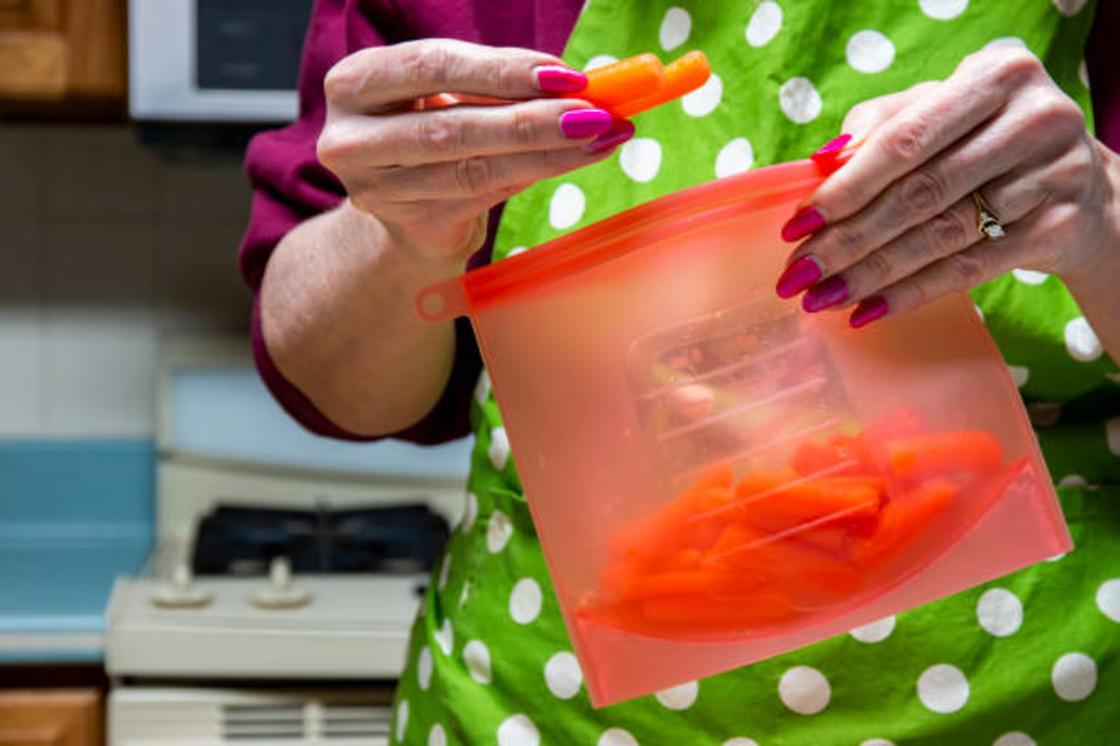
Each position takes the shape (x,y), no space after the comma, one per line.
(987,222)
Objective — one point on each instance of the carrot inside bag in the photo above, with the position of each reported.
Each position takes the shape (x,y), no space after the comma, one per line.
(741,553)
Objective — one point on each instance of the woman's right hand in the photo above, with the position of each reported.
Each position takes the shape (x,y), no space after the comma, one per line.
(431,176)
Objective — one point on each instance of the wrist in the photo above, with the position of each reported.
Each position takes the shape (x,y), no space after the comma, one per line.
(396,252)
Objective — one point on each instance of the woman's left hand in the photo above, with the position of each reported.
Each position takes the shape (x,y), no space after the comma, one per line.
(897,226)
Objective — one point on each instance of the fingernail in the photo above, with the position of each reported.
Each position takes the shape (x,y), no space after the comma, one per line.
(869,310)
(557,79)
(621,131)
(832,147)
(831,292)
(805,221)
(798,276)
(585,122)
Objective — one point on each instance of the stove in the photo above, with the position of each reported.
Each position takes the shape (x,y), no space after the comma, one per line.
(288,569)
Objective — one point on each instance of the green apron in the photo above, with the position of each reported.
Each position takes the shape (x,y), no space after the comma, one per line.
(1031,658)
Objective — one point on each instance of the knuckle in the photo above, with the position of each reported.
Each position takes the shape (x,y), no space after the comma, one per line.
(923,191)
(848,240)
(338,80)
(946,230)
(1010,67)
(877,269)
(524,128)
(966,269)
(909,139)
(436,134)
(473,175)
(1057,113)
(428,62)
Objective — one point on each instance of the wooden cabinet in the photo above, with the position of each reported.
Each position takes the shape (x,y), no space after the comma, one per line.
(55,50)
(51,717)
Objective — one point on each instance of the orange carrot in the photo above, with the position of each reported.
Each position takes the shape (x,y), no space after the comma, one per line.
(904,517)
(852,500)
(682,76)
(615,84)
(695,583)
(924,456)
(747,610)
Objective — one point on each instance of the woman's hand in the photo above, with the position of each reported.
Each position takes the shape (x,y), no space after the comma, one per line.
(897,226)
(431,176)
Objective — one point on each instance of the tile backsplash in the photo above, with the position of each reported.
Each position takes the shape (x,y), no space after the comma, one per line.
(105,246)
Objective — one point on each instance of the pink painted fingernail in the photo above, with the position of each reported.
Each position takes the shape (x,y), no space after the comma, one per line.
(621,131)
(805,221)
(557,79)
(831,292)
(585,122)
(869,310)
(831,148)
(798,276)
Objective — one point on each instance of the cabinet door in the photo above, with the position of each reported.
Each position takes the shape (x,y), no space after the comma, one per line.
(51,717)
(54,49)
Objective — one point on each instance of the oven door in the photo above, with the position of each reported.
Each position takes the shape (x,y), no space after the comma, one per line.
(215,60)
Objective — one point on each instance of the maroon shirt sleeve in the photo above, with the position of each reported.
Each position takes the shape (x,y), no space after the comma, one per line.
(290,185)
(1102,57)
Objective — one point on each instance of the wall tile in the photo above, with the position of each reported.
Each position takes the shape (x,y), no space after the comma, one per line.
(20,172)
(100,367)
(217,190)
(99,173)
(107,263)
(21,372)
(198,288)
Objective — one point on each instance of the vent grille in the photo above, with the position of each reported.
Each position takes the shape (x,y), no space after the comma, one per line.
(310,721)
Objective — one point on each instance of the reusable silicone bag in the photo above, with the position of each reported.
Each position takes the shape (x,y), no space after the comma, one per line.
(717,477)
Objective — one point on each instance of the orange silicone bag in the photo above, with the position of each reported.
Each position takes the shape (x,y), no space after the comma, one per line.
(717,477)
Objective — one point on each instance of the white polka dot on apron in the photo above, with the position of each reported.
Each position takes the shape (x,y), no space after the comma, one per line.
(804,690)
(999,612)
(476,656)
(1083,73)
(562,675)
(1015,738)
(1029,276)
(1069,8)
(1112,434)
(616,737)
(943,10)
(424,668)
(401,719)
(470,512)
(1073,480)
(799,100)
(445,637)
(640,159)
(1006,41)
(1019,374)
(704,99)
(740,742)
(735,157)
(498,531)
(464,593)
(943,689)
(869,51)
(1081,341)
(566,207)
(516,250)
(525,601)
(875,631)
(518,730)
(499,448)
(437,736)
(679,697)
(675,27)
(600,60)
(765,23)
(1108,599)
(877,742)
(482,388)
(1074,677)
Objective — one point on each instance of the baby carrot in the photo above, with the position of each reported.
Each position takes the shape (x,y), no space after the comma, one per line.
(934,454)
(682,76)
(615,84)
(905,517)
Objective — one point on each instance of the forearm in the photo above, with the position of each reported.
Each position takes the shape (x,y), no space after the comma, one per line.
(1096,286)
(337,318)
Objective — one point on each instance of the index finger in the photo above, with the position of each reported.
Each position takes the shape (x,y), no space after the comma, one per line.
(380,78)
(978,89)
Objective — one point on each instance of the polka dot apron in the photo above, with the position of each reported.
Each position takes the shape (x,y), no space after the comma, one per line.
(1032,658)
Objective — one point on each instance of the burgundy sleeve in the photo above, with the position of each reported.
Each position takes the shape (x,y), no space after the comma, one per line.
(290,185)
(1102,57)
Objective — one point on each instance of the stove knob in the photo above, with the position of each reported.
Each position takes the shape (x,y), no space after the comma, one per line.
(280,593)
(181,593)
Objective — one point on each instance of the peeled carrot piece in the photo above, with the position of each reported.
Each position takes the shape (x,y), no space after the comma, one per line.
(904,517)
(924,456)
(615,84)
(681,76)
(852,500)
(812,457)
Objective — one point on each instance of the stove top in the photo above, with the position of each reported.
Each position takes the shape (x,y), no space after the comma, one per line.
(243,541)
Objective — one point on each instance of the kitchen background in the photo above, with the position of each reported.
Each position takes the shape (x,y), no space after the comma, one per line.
(122,202)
